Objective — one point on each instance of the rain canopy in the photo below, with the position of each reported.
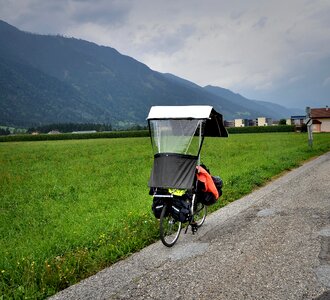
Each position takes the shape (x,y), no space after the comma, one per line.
(177,134)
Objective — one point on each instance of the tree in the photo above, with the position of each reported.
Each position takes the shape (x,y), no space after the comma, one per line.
(4,131)
(282,122)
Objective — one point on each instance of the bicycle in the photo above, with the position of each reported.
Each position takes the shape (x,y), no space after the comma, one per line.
(170,227)
(177,134)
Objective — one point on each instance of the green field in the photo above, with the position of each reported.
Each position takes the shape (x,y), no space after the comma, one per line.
(71,208)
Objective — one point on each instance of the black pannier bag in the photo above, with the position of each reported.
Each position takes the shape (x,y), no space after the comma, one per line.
(208,198)
(218,184)
(180,210)
(157,206)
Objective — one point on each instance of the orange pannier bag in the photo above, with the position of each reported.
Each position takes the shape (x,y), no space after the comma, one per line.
(205,177)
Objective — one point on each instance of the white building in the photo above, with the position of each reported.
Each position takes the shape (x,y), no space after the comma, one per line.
(239,123)
(263,121)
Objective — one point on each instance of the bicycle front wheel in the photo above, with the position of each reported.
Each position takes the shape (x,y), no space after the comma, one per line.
(169,228)
(200,212)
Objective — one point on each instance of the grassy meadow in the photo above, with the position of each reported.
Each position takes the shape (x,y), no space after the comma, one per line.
(70,208)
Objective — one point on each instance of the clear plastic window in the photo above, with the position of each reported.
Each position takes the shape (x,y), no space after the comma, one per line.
(176,136)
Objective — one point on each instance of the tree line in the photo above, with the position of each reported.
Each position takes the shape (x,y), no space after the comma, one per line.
(70,127)
(4,131)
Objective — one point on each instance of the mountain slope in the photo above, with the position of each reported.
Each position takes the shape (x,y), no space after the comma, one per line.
(239,106)
(25,89)
(230,109)
(254,107)
(46,79)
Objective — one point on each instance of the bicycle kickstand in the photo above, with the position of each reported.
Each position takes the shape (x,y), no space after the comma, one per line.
(194,227)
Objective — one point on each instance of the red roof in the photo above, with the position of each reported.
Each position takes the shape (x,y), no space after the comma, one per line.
(317,113)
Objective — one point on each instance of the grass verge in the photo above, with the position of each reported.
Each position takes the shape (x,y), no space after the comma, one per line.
(71,208)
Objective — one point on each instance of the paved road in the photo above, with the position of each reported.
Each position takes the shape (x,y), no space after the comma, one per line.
(271,244)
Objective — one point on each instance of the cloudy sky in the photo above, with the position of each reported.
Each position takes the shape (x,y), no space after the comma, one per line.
(273,50)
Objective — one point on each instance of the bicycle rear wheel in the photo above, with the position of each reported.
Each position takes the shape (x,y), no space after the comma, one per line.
(200,211)
(169,228)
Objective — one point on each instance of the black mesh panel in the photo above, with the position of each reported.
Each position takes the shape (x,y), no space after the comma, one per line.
(173,171)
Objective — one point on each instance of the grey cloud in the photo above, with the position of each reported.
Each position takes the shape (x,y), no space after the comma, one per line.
(326,82)
(231,63)
(56,16)
(169,42)
(36,16)
(102,12)
(261,23)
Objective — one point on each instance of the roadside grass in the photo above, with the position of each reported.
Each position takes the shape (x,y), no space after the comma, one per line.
(71,208)
(248,162)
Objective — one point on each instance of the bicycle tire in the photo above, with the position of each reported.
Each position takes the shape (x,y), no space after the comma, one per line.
(200,212)
(169,228)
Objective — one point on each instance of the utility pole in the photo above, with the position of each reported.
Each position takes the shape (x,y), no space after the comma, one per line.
(309,123)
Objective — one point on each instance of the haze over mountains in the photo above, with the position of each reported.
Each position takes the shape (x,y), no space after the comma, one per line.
(54,79)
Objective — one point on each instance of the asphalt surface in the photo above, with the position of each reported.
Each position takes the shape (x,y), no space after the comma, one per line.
(271,244)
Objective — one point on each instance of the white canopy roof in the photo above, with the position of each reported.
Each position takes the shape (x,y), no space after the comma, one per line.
(180,112)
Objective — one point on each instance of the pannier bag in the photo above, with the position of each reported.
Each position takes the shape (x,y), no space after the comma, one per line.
(180,210)
(207,198)
(207,195)
(205,178)
(157,206)
(218,184)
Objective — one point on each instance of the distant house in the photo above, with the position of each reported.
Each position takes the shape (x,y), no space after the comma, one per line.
(296,120)
(321,119)
(229,123)
(54,132)
(241,122)
(263,121)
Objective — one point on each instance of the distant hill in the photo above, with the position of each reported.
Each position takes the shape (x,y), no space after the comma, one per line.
(252,107)
(53,79)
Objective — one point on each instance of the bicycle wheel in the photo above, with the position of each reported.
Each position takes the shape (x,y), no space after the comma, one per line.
(200,212)
(169,228)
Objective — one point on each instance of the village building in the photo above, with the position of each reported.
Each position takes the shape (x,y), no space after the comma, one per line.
(241,122)
(54,132)
(297,121)
(229,123)
(253,122)
(321,119)
(263,121)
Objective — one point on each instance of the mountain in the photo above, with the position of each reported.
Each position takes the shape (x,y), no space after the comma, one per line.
(252,107)
(52,79)
(239,106)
